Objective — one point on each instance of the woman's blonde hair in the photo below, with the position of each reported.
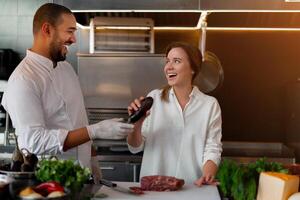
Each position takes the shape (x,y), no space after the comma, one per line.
(194,58)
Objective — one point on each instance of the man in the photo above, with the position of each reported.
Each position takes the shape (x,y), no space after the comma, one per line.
(44,99)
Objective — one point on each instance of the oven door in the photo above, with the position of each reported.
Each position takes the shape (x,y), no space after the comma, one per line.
(121,171)
(116,161)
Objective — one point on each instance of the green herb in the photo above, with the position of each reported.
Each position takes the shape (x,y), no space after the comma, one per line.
(66,172)
(240,181)
(226,169)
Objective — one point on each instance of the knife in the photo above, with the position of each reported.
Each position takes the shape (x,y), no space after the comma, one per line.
(116,187)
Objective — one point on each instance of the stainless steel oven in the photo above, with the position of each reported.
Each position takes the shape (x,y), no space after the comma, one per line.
(116,162)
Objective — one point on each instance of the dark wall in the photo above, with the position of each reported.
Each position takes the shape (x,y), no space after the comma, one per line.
(165,37)
(258,67)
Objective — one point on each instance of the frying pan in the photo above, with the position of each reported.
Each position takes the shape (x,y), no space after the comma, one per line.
(211,75)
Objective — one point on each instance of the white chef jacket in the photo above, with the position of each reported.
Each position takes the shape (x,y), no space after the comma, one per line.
(45,103)
(178,143)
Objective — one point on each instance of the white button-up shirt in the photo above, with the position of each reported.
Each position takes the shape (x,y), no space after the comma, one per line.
(178,143)
(45,103)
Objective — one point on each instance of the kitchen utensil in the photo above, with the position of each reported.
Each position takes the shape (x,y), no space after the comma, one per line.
(146,104)
(4,183)
(211,75)
(116,187)
(4,180)
(18,175)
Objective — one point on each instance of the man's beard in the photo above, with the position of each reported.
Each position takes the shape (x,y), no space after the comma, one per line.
(56,53)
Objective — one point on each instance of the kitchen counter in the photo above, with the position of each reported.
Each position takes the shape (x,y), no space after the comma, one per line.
(246,152)
(243,152)
(189,191)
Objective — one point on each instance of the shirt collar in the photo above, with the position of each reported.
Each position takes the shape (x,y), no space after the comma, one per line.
(45,62)
(194,92)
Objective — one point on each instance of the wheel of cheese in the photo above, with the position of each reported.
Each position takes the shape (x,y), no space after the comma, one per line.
(276,186)
(295,196)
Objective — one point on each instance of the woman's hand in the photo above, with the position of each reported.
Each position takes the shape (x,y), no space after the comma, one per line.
(208,176)
(135,139)
(133,107)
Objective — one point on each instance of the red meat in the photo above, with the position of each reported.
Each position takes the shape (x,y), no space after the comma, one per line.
(161,183)
(136,190)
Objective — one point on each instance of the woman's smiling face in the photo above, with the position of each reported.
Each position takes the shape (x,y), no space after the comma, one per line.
(178,69)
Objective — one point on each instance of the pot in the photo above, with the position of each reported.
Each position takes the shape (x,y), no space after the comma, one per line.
(4,185)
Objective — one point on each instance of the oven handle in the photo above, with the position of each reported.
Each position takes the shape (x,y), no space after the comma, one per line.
(107,168)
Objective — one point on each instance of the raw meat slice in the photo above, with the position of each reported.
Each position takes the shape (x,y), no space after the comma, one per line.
(161,183)
(136,190)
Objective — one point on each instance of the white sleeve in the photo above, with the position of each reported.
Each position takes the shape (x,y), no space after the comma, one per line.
(213,145)
(141,147)
(23,102)
(136,149)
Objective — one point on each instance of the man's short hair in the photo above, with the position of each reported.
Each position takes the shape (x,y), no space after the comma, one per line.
(50,13)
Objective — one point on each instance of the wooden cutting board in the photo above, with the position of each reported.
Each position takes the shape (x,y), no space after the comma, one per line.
(188,192)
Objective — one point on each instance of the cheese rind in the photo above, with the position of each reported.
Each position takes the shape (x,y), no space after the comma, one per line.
(295,196)
(276,186)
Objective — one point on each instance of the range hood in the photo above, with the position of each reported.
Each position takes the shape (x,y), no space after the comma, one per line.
(88,5)
(215,19)
(250,5)
(180,5)
(186,13)
(161,19)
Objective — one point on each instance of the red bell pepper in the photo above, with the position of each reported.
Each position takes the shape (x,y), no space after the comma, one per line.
(49,186)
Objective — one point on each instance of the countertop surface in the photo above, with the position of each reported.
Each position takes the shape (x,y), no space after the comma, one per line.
(189,191)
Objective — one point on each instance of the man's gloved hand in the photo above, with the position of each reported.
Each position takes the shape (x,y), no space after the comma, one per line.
(96,171)
(109,129)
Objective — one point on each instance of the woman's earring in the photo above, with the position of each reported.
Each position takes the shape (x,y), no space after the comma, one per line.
(193,72)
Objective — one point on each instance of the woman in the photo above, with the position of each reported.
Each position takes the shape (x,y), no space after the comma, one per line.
(182,135)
